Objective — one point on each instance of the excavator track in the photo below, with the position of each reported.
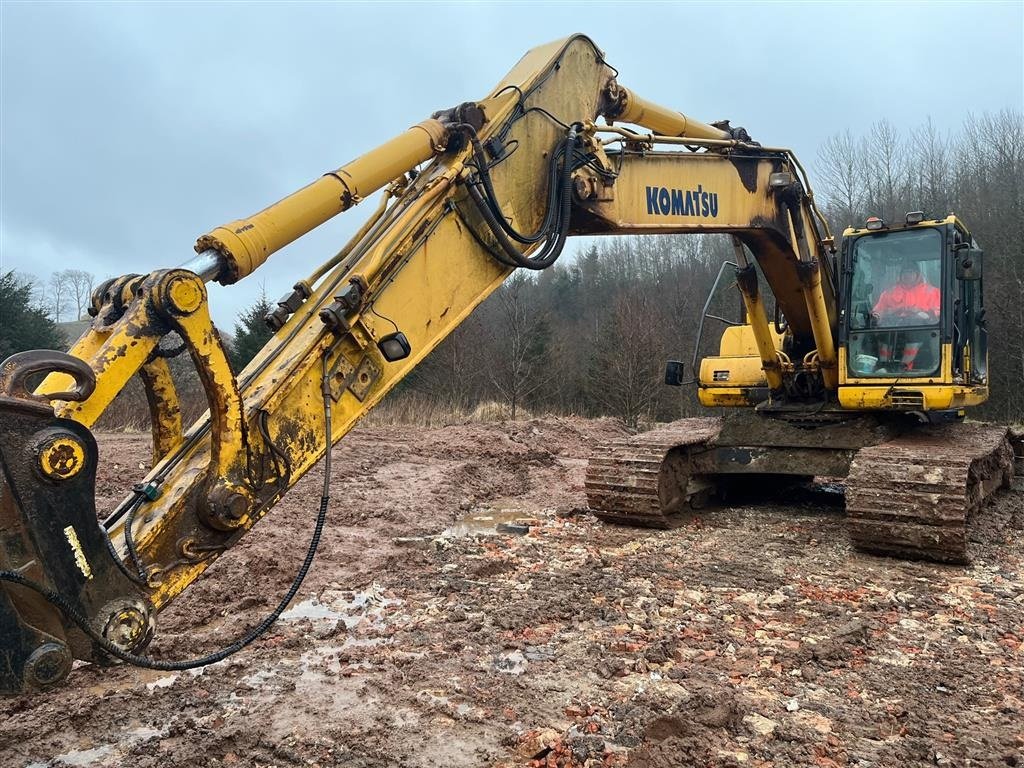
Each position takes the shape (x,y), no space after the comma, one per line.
(646,480)
(913,496)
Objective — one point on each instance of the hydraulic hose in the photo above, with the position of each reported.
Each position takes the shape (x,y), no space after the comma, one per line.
(560,203)
(550,211)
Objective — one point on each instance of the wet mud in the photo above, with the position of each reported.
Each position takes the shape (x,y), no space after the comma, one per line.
(465,610)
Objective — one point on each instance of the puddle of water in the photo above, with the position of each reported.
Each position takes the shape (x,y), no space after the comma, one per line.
(318,663)
(267,678)
(482,523)
(310,609)
(443,703)
(353,608)
(79,757)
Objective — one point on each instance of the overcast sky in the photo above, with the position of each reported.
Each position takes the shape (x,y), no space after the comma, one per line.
(130,129)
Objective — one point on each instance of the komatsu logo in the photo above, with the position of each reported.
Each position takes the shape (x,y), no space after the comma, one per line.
(663,201)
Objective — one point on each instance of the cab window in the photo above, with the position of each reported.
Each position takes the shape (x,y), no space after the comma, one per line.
(896,304)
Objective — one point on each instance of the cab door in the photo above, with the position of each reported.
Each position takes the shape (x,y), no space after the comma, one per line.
(970,336)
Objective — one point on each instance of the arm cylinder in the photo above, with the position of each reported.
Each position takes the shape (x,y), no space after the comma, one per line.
(246,243)
(757,316)
(630,108)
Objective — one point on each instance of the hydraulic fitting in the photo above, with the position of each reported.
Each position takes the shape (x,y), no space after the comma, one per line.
(345,303)
(287,305)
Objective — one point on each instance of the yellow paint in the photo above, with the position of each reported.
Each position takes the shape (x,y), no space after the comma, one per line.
(951,219)
(939,392)
(766,342)
(186,295)
(821,328)
(62,458)
(746,208)
(71,535)
(936,397)
(725,397)
(164,408)
(743,371)
(247,243)
(664,121)
(730,379)
(740,340)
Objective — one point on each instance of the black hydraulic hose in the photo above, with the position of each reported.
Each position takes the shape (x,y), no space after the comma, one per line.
(129,538)
(117,559)
(496,255)
(553,249)
(550,210)
(253,634)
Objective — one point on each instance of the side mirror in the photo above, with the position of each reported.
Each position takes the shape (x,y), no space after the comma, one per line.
(674,373)
(968,264)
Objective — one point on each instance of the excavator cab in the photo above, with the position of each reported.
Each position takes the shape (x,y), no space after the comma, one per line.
(911,335)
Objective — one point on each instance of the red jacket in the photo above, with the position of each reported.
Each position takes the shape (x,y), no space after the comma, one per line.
(921,298)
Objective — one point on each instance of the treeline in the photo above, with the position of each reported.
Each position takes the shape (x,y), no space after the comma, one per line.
(24,323)
(63,296)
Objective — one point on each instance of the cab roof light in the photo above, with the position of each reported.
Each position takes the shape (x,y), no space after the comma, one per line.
(874,223)
(915,217)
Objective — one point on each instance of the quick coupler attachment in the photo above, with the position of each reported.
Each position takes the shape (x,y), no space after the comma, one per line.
(56,570)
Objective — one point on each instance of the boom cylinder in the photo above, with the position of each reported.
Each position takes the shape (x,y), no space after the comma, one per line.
(245,244)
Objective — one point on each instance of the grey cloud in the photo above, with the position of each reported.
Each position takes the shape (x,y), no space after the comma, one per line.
(128,130)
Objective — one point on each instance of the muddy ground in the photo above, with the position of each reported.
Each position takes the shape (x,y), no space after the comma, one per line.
(424,637)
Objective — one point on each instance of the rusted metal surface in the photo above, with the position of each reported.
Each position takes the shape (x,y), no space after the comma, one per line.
(634,482)
(17,371)
(914,496)
(164,408)
(181,299)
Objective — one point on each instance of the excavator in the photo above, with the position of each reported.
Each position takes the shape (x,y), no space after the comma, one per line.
(467,196)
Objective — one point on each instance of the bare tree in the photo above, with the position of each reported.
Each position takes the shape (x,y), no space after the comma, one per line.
(58,293)
(886,170)
(453,375)
(629,358)
(988,161)
(520,335)
(930,170)
(842,177)
(80,285)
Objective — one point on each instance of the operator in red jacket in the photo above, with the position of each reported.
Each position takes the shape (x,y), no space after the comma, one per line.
(911,301)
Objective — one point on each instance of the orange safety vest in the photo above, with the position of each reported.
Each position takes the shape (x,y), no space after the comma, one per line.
(921,298)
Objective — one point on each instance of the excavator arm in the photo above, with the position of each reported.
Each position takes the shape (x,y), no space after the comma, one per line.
(469,195)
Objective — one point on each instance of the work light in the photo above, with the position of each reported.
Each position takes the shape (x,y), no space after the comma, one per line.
(394,347)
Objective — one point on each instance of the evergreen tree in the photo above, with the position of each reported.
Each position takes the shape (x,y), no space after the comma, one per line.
(251,333)
(22,325)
